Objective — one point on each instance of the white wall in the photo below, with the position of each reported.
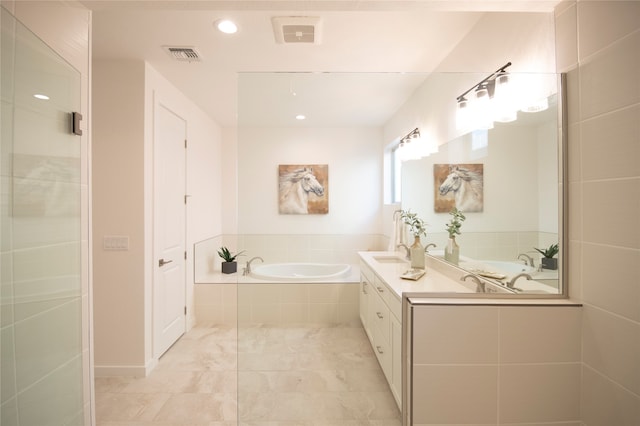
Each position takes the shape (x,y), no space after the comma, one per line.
(355,179)
(118,203)
(123,170)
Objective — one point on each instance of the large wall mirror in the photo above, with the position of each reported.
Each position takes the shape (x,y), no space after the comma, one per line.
(507,178)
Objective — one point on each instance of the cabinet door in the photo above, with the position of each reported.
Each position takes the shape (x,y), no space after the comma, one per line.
(365,288)
(396,360)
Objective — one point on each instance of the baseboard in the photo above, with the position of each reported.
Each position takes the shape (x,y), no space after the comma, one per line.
(124,370)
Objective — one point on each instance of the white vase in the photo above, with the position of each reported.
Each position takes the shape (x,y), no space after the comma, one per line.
(452,251)
(417,254)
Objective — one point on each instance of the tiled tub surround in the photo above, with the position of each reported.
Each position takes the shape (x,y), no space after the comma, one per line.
(226,299)
(230,299)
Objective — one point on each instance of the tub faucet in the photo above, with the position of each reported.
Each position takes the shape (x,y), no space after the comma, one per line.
(479,284)
(408,256)
(426,249)
(511,283)
(528,260)
(247,269)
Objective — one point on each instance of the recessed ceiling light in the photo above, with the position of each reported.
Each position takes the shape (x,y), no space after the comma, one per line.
(226,26)
(300,117)
(41,97)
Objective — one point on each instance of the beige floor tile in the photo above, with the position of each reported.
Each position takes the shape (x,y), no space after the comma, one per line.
(256,376)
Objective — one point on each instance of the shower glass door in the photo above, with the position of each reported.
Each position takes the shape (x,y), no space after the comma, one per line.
(41,290)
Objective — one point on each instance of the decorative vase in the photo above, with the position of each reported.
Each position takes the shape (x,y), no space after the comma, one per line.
(417,254)
(229,267)
(452,251)
(550,263)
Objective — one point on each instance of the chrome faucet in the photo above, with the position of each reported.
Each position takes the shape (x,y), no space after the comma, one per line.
(408,256)
(528,260)
(479,283)
(247,269)
(426,249)
(511,283)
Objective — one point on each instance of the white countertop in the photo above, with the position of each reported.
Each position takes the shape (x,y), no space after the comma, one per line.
(431,282)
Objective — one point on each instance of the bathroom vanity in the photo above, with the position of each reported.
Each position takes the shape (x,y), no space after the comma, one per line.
(453,355)
(381,290)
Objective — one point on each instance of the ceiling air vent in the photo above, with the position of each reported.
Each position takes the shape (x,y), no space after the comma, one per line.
(296,29)
(187,54)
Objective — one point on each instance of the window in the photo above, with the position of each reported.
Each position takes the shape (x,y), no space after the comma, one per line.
(396,175)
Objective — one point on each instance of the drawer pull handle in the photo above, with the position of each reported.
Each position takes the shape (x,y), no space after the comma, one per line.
(380,289)
(379,348)
(379,315)
(364,290)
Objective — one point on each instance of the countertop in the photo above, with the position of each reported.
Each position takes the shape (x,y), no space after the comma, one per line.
(431,282)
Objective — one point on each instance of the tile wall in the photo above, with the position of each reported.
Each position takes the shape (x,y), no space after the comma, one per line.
(496,365)
(599,47)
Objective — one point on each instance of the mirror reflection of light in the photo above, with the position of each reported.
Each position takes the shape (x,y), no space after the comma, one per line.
(41,97)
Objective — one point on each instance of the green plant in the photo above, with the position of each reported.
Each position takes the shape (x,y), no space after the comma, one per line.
(417,226)
(453,227)
(225,254)
(549,252)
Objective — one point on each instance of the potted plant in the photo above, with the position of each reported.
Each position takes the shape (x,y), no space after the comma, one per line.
(417,227)
(548,259)
(452,250)
(229,264)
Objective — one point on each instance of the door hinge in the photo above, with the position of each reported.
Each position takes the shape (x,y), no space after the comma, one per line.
(185,310)
(185,255)
(185,143)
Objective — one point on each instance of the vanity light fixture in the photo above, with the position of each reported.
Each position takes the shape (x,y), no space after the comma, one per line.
(412,146)
(411,136)
(301,117)
(41,97)
(480,109)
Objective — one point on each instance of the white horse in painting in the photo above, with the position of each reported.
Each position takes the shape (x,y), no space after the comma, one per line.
(467,186)
(294,190)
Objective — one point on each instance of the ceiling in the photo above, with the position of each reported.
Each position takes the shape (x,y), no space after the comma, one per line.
(394,42)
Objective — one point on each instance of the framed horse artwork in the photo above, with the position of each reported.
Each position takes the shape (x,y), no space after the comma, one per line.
(303,189)
(460,186)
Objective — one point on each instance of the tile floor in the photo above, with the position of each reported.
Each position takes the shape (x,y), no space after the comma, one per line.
(263,376)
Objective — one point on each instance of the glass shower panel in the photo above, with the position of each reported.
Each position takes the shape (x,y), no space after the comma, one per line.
(41,293)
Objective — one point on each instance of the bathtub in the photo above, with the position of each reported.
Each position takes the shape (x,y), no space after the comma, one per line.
(304,272)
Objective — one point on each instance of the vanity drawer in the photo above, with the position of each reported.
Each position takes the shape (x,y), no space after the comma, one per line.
(382,349)
(381,288)
(381,317)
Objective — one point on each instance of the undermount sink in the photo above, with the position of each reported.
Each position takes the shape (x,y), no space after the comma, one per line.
(389,259)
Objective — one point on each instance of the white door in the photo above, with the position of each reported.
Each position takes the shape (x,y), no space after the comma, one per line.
(169,228)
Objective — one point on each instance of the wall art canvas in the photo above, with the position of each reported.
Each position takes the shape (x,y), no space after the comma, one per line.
(303,189)
(460,186)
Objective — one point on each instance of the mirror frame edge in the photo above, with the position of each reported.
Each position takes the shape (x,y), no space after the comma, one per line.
(564,184)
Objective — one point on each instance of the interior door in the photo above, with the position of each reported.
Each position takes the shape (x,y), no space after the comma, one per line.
(169,228)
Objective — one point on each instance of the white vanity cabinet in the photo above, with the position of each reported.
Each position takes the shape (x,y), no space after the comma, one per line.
(380,309)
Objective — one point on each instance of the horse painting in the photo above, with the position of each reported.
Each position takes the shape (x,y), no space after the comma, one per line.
(296,185)
(466,185)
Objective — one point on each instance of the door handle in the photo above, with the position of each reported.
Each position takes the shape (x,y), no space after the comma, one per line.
(163,262)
